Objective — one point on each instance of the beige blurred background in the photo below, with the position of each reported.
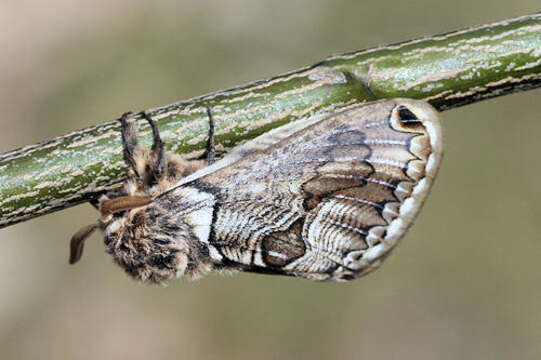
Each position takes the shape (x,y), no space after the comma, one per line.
(464,284)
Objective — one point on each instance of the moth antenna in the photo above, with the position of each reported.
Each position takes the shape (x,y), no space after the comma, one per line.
(123,203)
(77,242)
(210,151)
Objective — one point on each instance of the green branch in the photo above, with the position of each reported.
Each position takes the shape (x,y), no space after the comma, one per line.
(447,70)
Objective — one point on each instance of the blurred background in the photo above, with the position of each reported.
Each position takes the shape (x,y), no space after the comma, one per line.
(464,284)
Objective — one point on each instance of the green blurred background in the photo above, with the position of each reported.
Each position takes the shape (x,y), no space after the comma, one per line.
(464,284)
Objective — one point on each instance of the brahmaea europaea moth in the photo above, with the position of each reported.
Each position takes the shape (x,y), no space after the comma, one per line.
(322,199)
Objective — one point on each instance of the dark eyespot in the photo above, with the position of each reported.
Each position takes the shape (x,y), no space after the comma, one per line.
(405,114)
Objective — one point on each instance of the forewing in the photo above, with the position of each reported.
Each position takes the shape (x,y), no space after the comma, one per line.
(331,200)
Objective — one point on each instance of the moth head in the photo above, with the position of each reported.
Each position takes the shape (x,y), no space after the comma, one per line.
(164,239)
(142,252)
(145,249)
(153,241)
(108,207)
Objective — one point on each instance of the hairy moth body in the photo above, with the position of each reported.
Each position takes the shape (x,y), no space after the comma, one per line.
(323,199)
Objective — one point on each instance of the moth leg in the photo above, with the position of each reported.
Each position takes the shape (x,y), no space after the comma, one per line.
(157,148)
(210,151)
(129,140)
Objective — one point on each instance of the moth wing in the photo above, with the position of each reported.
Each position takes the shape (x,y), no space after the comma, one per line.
(331,200)
(254,147)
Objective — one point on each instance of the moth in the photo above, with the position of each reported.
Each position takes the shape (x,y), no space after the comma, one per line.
(321,199)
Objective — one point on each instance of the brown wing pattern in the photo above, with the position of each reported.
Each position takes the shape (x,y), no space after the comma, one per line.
(330,201)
